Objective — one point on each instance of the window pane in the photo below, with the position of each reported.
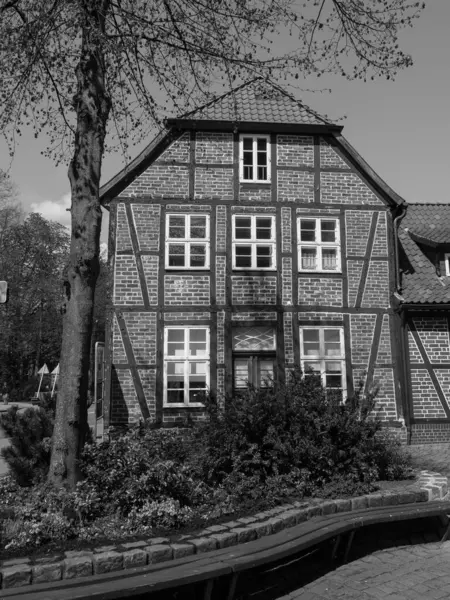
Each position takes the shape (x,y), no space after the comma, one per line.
(332,340)
(266,373)
(264,257)
(311,342)
(197,381)
(198,256)
(307,230)
(175,343)
(308,258)
(248,158)
(198,227)
(312,368)
(177,255)
(328,231)
(263,228)
(329,259)
(248,143)
(175,382)
(242,228)
(175,335)
(197,335)
(243,256)
(261,145)
(240,372)
(176,226)
(175,396)
(262,158)
(197,342)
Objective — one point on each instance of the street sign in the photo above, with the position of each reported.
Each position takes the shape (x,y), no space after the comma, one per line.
(3,292)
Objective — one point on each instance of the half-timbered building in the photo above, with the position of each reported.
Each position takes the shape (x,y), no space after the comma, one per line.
(250,238)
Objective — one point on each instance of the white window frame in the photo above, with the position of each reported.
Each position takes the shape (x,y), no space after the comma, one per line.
(447,264)
(186,359)
(187,241)
(322,358)
(319,245)
(255,138)
(253,242)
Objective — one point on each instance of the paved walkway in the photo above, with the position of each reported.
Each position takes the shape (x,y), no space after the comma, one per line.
(406,573)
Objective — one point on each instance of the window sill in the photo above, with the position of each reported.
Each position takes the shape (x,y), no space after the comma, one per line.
(317,272)
(254,184)
(190,405)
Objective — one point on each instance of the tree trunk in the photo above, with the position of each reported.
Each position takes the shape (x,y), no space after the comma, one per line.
(92,106)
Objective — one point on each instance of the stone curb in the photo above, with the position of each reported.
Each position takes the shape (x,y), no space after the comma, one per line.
(18,572)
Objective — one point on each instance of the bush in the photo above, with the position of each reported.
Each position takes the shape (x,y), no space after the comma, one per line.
(28,454)
(267,433)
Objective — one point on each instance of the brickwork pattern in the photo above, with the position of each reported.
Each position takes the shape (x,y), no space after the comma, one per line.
(254,193)
(361,332)
(320,291)
(254,316)
(384,348)
(214,148)
(220,337)
(187,290)
(295,150)
(191,208)
(254,209)
(357,227)
(141,327)
(221,270)
(330,158)
(376,289)
(430,433)
(221,384)
(354,272)
(254,290)
(386,396)
(315,316)
(286,285)
(148,378)
(443,377)
(434,335)
(178,151)
(221,229)
(125,408)
(426,403)
(183,316)
(346,188)
(118,350)
(123,237)
(150,265)
(288,338)
(214,183)
(380,242)
(414,354)
(127,287)
(159,181)
(295,186)
(286,230)
(147,219)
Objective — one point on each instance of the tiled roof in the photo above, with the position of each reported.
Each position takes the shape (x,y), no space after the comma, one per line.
(421,231)
(257,101)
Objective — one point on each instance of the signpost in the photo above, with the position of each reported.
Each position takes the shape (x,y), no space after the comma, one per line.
(3,292)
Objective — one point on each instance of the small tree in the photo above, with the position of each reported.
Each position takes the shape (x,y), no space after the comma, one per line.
(74,68)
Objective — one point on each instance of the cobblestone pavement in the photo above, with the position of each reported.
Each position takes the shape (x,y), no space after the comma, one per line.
(405,573)
(434,457)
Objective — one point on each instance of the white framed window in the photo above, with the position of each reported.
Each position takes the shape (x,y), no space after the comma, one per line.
(322,353)
(254,242)
(447,264)
(186,365)
(254,158)
(319,245)
(187,241)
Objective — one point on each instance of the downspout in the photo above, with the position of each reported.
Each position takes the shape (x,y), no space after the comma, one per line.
(396,258)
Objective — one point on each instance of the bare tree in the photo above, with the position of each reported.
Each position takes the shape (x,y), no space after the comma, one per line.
(77,69)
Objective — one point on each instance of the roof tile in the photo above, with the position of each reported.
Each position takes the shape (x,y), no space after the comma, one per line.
(258,101)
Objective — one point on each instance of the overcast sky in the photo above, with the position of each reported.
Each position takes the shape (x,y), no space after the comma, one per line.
(400,128)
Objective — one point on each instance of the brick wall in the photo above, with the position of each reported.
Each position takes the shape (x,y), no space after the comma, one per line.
(186,290)
(357,226)
(426,403)
(286,285)
(295,150)
(330,158)
(221,270)
(320,291)
(146,219)
(434,335)
(384,380)
(214,183)
(123,237)
(214,148)
(376,289)
(354,272)
(127,288)
(254,290)
(361,332)
(160,181)
(288,338)
(430,433)
(250,192)
(178,151)
(221,229)
(286,230)
(346,188)
(141,327)
(295,186)
(380,242)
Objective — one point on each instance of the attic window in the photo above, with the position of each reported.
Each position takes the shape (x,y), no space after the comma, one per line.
(254,158)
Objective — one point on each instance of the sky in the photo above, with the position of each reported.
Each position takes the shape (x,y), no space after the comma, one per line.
(400,127)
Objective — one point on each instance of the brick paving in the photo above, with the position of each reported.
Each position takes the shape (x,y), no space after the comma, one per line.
(405,573)
(410,572)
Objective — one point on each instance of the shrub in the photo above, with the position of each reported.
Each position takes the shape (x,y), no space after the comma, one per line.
(269,433)
(28,454)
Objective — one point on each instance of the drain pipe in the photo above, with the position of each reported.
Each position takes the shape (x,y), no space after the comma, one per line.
(396,258)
